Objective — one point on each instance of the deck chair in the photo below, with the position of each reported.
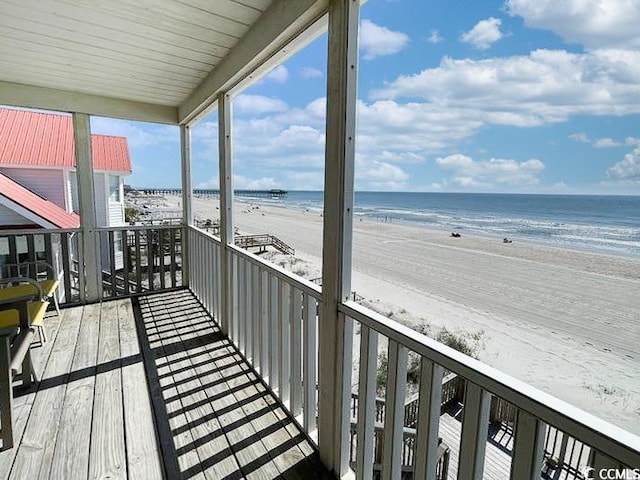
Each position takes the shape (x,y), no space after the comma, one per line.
(16,335)
(48,286)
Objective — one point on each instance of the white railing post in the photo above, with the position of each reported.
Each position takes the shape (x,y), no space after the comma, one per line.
(335,335)
(90,259)
(226,206)
(366,403)
(528,448)
(394,411)
(187,198)
(475,427)
(428,419)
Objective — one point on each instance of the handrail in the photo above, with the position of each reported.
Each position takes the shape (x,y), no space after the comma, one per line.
(298,282)
(601,435)
(125,228)
(37,231)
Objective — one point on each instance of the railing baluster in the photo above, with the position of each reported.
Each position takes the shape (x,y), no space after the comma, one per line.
(295,317)
(366,403)
(67,264)
(248,311)
(428,419)
(31,255)
(150,259)
(255,314)
(112,261)
(475,426)
(161,257)
(138,261)
(283,329)
(265,370)
(274,332)
(242,311)
(126,272)
(205,259)
(172,256)
(394,415)
(528,447)
(233,300)
(309,366)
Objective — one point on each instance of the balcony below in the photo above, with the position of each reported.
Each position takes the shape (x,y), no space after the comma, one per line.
(149,388)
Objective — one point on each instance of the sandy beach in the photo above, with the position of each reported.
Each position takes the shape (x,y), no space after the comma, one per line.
(565,321)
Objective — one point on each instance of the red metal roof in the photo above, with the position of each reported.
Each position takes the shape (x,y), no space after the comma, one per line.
(42,208)
(46,139)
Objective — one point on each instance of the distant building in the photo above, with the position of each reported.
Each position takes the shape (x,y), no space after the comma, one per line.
(38,185)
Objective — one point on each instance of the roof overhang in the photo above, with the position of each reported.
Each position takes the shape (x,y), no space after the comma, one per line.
(160,61)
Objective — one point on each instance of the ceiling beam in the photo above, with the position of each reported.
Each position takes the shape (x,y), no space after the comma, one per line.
(29,96)
(278,26)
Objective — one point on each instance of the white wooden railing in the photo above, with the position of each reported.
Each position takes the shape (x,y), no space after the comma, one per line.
(273,321)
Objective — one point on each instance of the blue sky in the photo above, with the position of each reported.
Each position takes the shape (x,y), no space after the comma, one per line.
(532,96)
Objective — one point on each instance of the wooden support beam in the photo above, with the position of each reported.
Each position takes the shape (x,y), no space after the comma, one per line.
(528,448)
(30,96)
(475,427)
(187,199)
(86,200)
(225,161)
(335,342)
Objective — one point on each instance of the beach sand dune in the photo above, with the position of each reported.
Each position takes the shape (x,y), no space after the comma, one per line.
(565,321)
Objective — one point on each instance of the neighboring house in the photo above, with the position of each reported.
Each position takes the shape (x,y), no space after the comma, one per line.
(38,185)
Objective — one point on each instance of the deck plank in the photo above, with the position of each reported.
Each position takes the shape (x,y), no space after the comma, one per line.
(144,458)
(71,455)
(23,403)
(107,451)
(216,459)
(38,442)
(188,459)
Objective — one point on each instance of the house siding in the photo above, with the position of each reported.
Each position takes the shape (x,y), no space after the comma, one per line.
(47,183)
(9,217)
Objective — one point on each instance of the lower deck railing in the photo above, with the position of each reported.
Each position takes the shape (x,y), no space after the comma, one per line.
(273,321)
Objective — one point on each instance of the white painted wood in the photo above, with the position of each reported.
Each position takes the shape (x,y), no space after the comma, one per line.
(394,411)
(284,325)
(187,191)
(9,217)
(19,95)
(528,448)
(255,317)
(265,346)
(366,403)
(226,199)
(86,197)
(25,213)
(248,299)
(274,334)
(242,307)
(277,26)
(295,317)
(428,420)
(309,365)
(334,336)
(601,435)
(475,426)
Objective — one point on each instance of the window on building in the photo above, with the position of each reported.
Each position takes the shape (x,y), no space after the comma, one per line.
(114,188)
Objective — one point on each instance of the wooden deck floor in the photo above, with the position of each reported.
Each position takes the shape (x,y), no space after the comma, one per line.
(149,388)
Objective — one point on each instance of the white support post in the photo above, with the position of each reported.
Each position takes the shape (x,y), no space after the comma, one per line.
(428,419)
(187,198)
(475,427)
(86,201)
(335,342)
(528,448)
(226,205)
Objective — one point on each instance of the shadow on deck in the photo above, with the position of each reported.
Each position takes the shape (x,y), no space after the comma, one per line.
(150,388)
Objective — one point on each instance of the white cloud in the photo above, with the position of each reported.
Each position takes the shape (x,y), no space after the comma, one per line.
(137,134)
(580,137)
(486,174)
(484,34)
(546,86)
(310,72)
(593,23)
(435,37)
(280,74)
(631,141)
(257,104)
(606,143)
(628,169)
(377,41)
(245,183)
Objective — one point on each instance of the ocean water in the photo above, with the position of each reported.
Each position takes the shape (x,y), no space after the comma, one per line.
(592,222)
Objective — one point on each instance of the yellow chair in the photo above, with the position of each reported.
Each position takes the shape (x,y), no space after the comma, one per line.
(21,287)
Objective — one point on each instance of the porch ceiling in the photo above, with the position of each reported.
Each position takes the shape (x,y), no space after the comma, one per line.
(156,60)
